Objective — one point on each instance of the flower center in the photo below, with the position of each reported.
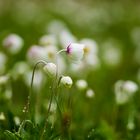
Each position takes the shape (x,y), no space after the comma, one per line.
(86,50)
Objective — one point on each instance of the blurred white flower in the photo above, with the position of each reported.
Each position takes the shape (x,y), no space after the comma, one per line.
(130,125)
(130,87)
(55,27)
(3,60)
(53,107)
(51,52)
(66,38)
(8,92)
(91,58)
(90,93)
(36,53)
(124,90)
(20,68)
(111,53)
(48,40)
(81,84)
(91,46)
(66,81)
(4,79)
(38,79)
(13,43)
(50,69)
(2,116)
(17,120)
(75,52)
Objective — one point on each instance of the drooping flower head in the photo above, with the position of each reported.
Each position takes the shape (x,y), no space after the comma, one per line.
(75,51)
(50,69)
(66,81)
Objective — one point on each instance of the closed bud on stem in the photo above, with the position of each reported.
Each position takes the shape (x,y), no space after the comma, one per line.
(66,81)
(50,69)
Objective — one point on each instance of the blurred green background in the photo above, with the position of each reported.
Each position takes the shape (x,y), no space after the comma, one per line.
(114,22)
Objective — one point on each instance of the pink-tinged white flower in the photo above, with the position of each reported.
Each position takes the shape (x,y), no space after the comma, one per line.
(75,52)
(50,69)
(66,81)
(13,43)
(36,53)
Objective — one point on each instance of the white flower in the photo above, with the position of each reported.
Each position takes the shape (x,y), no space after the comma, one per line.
(130,87)
(4,79)
(111,53)
(48,40)
(75,51)
(55,27)
(17,120)
(51,51)
(20,69)
(50,69)
(90,46)
(36,53)
(90,93)
(2,116)
(81,84)
(124,90)
(13,43)
(91,58)
(66,81)
(66,38)
(38,79)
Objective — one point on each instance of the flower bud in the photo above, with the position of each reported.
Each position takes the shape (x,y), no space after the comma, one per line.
(50,69)
(75,51)
(13,43)
(66,81)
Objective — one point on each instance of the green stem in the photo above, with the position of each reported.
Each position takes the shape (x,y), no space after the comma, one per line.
(27,106)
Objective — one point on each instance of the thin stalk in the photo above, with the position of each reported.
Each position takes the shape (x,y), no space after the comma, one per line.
(27,106)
